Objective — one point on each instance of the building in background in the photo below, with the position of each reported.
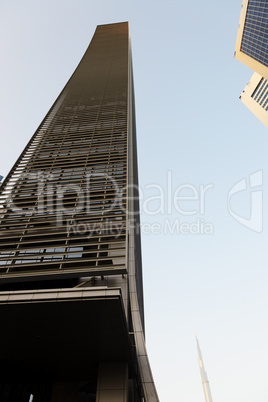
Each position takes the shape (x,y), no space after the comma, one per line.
(71,293)
(252,50)
(252,37)
(255,97)
(204,377)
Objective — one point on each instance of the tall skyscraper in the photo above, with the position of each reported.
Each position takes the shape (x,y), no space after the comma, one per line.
(71,294)
(204,377)
(255,97)
(252,37)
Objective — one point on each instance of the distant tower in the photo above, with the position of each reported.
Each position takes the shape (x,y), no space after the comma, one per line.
(208,397)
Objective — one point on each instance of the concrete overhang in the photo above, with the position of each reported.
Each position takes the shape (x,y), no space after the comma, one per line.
(61,334)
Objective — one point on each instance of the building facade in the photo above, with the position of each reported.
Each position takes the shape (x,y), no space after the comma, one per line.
(71,294)
(255,97)
(252,37)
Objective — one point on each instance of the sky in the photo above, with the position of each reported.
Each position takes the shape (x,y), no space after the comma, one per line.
(203,172)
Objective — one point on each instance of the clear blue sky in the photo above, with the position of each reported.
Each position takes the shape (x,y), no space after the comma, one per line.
(193,131)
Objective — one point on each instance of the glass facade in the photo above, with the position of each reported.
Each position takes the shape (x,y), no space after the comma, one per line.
(255,34)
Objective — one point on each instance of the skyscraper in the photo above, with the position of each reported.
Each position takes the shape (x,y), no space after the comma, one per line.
(71,294)
(204,377)
(255,97)
(252,37)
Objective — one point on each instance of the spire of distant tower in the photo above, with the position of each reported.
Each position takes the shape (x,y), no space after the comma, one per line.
(204,378)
